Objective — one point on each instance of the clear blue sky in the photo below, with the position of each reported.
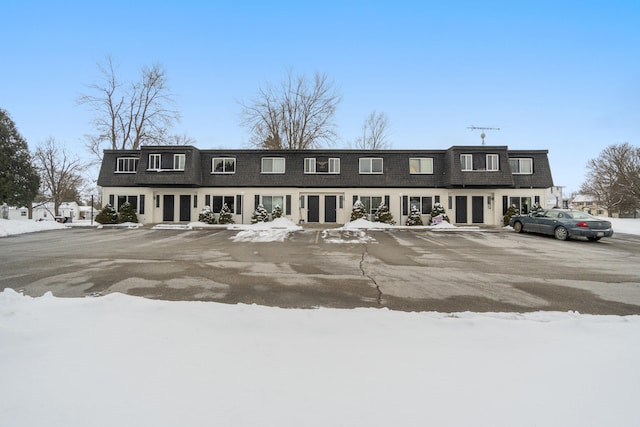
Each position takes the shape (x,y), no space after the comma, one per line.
(556,75)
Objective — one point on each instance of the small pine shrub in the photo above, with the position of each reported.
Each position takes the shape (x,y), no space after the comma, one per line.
(225,215)
(414,217)
(259,215)
(107,215)
(358,211)
(438,209)
(511,211)
(277,212)
(383,215)
(127,214)
(207,216)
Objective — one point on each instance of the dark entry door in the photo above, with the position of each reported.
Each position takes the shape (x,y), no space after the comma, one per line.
(185,207)
(477,209)
(461,209)
(167,208)
(329,208)
(313,210)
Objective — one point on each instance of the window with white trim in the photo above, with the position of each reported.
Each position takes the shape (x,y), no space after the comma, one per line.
(334,165)
(493,162)
(155,162)
(424,204)
(371,165)
(521,166)
(309,165)
(327,165)
(371,204)
(270,202)
(273,165)
(223,165)
(132,200)
(421,165)
(127,165)
(466,162)
(178,162)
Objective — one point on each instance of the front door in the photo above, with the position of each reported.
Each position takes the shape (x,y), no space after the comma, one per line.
(461,209)
(329,208)
(313,210)
(477,209)
(167,208)
(185,207)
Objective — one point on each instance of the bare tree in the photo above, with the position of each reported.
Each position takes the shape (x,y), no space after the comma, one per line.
(297,115)
(374,132)
(614,178)
(128,115)
(60,174)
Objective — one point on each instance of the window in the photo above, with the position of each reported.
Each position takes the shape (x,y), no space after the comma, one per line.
(309,165)
(423,165)
(466,162)
(178,162)
(330,165)
(370,165)
(154,162)
(521,166)
(133,201)
(272,165)
(371,203)
(223,165)
(270,202)
(423,204)
(218,202)
(493,162)
(127,165)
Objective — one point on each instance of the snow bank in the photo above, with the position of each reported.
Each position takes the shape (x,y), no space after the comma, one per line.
(362,223)
(272,231)
(126,361)
(12,227)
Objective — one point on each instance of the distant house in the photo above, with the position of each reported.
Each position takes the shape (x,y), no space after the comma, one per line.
(589,204)
(475,184)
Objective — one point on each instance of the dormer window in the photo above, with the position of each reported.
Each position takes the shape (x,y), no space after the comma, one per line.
(466,162)
(273,165)
(127,165)
(178,162)
(493,162)
(371,165)
(155,162)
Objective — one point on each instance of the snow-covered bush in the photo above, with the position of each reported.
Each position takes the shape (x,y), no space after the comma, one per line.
(127,214)
(358,211)
(277,212)
(259,215)
(414,217)
(511,211)
(438,210)
(107,215)
(383,215)
(225,215)
(207,216)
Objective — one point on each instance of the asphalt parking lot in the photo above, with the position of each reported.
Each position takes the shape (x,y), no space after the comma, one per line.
(490,270)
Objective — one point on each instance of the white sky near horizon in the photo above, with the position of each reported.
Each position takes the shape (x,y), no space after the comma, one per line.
(562,76)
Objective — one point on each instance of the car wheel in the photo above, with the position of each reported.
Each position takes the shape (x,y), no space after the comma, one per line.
(561,233)
(517,227)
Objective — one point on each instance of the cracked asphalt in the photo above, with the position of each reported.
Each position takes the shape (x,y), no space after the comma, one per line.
(489,270)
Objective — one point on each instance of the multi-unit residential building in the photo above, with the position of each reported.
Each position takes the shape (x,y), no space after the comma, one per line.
(475,184)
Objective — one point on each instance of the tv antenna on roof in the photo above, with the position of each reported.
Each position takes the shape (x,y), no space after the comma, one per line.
(482,135)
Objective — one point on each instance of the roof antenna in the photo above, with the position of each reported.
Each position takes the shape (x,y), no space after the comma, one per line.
(482,135)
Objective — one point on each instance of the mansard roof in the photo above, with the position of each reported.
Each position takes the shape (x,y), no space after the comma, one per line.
(447,170)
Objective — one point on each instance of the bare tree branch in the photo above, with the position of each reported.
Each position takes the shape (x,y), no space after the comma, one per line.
(614,178)
(374,132)
(60,174)
(131,115)
(297,115)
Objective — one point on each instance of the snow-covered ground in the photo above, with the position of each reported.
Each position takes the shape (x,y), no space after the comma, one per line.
(119,360)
